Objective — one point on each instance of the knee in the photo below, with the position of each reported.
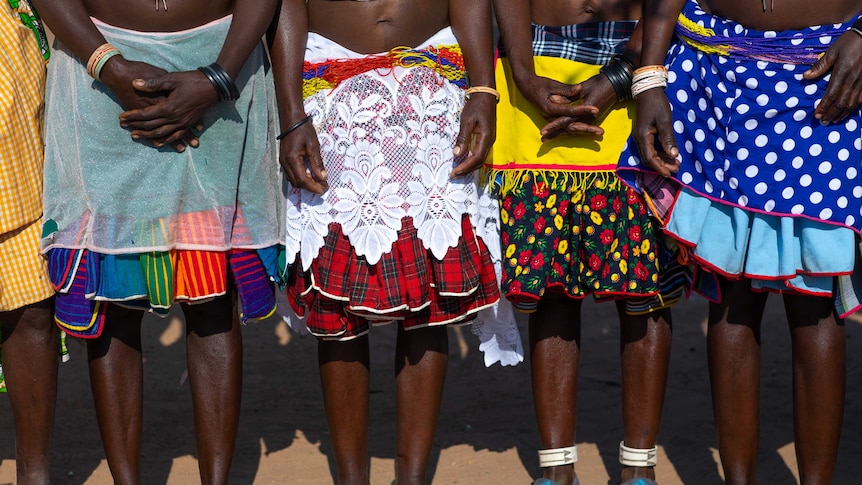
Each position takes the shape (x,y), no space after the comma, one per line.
(34,319)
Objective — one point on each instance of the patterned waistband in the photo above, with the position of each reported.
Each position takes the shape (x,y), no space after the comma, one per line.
(590,43)
(445,59)
(715,35)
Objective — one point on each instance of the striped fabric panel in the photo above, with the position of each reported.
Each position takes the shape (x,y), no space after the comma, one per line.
(119,277)
(256,292)
(200,274)
(77,315)
(159,273)
(62,265)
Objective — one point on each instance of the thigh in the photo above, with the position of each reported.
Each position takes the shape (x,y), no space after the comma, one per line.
(210,317)
(739,305)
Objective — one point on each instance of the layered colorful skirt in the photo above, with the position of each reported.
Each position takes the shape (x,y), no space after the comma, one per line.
(764,190)
(393,238)
(146,227)
(568,224)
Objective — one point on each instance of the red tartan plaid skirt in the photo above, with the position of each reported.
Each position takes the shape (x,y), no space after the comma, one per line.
(342,295)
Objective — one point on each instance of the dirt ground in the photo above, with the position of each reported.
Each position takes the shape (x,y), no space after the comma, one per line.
(486,433)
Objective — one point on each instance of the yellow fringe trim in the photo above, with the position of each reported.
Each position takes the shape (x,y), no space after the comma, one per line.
(507,181)
(691,26)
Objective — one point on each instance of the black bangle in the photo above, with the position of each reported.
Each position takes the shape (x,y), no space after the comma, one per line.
(221,81)
(620,78)
(293,127)
(857,25)
(624,60)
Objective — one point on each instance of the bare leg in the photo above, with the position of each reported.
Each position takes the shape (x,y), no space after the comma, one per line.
(645,342)
(818,385)
(344,373)
(421,357)
(116,378)
(733,346)
(555,343)
(30,361)
(214,359)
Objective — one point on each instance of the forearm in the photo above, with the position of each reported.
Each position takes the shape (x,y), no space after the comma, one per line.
(513,20)
(288,52)
(70,22)
(658,22)
(471,22)
(250,20)
(634,46)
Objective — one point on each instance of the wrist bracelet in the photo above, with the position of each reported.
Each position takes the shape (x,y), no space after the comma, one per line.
(648,77)
(294,126)
(98,59)
(221,81)
(620,78)
(630,66)
(482,89)
(856,27)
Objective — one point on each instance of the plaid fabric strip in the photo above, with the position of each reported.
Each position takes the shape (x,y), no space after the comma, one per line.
(332,263)
(350,294)
(458,272)
(389,281)
(414,263)
(590,43)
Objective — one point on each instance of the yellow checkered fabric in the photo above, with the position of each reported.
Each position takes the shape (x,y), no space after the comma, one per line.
(23,271)
(22,88)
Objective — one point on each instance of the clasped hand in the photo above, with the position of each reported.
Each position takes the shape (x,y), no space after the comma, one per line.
(161,107)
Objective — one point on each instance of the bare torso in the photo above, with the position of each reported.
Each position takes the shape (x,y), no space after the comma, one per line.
(783,14)
(151,15)
(376,26)
(567,12)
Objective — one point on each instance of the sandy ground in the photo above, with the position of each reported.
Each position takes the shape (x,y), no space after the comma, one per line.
(486,433)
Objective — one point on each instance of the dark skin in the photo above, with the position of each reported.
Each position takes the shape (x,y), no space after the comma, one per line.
(570,109)
(843,93)
(163,107)
(373,27)
(555,327)
(733,337)
(555,342)
(214,359)
(421,355)
(30,359)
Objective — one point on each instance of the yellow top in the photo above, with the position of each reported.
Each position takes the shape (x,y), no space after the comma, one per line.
(563,161)
(22,87)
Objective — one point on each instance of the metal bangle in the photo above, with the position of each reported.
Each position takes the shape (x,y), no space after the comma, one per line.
(619,78)
(221,81)
(294,127)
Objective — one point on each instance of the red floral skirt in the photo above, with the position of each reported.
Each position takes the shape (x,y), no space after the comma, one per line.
(599,239)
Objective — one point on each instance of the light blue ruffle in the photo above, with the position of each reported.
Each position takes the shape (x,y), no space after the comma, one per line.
(777,253)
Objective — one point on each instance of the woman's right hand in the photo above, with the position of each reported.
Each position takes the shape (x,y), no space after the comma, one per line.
(299,155)
(653,120)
